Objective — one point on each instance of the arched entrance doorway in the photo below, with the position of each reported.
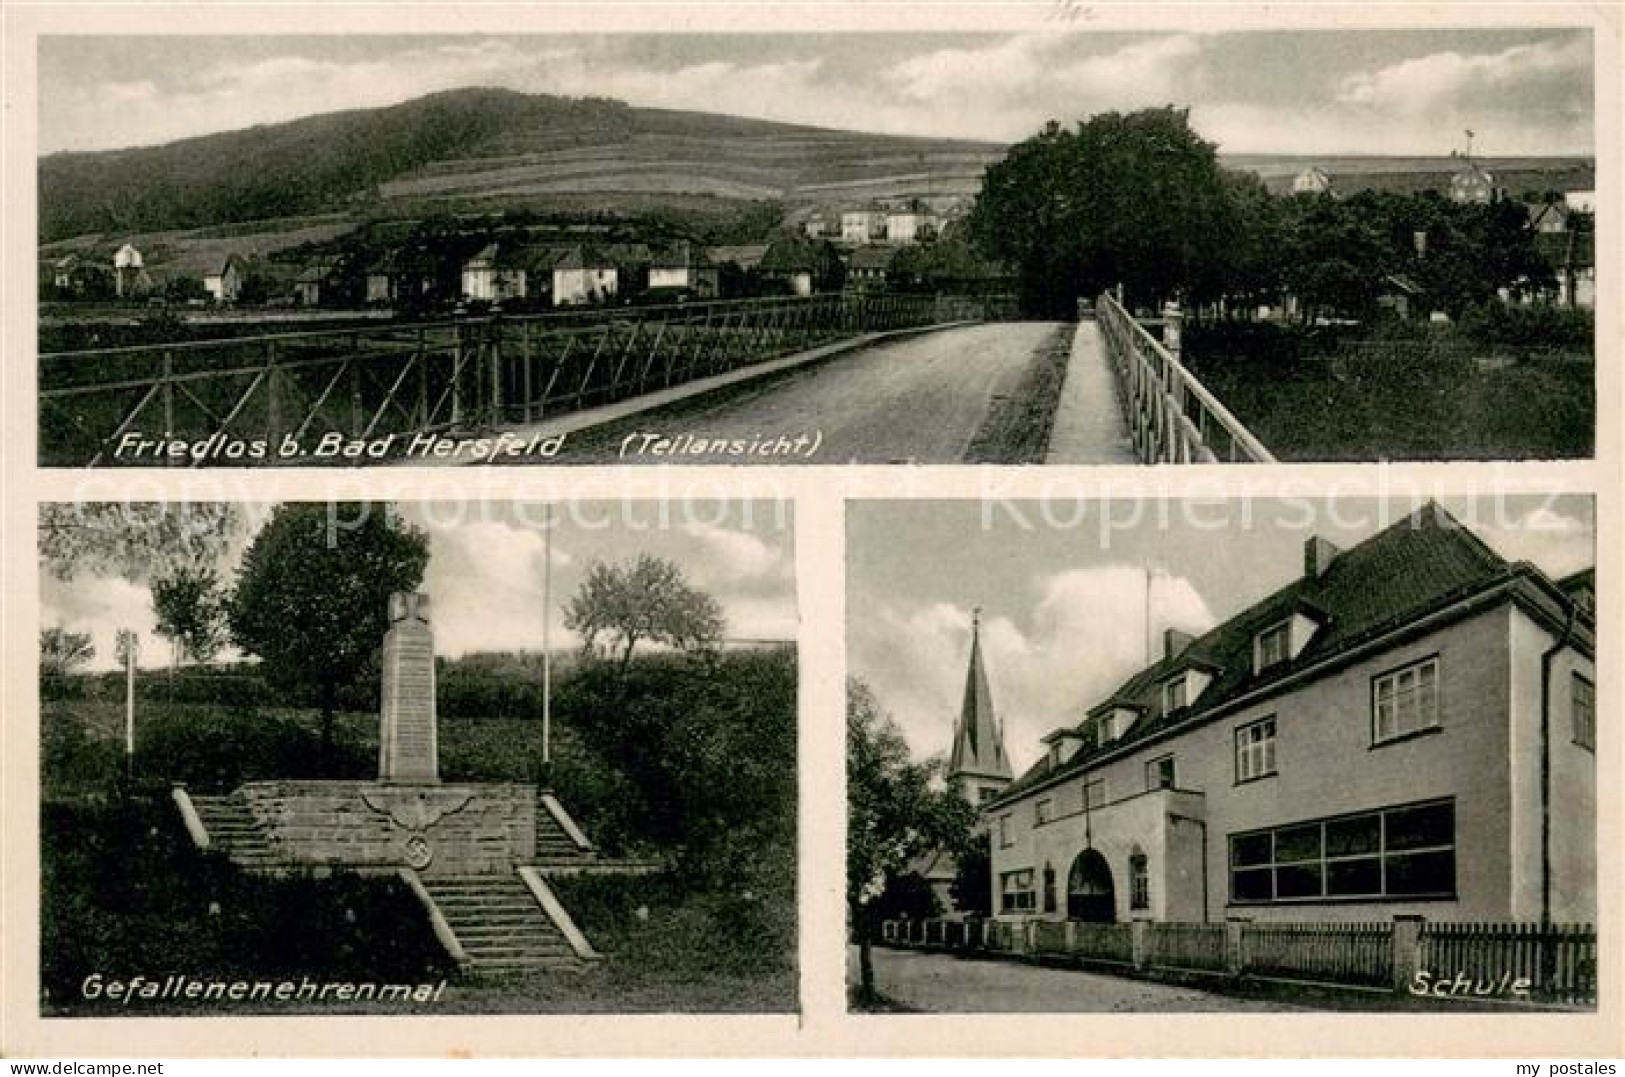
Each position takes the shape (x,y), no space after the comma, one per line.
(1089,892)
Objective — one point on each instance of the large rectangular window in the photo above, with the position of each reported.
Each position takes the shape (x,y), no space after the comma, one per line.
(1255,750)
(1094,793)
(1175,695)
(1004,832)
(1016,893)
(1402,852)
(1041,812)
(1585,713)
(1405,701)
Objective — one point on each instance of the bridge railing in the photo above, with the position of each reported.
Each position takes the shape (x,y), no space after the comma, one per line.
(1172,417)
(269,398)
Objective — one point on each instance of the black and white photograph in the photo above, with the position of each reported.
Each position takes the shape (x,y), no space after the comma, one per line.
(427,759)
(962,534)
(1060,246)
(1223,756)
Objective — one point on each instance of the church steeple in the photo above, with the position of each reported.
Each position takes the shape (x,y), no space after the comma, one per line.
(977,766)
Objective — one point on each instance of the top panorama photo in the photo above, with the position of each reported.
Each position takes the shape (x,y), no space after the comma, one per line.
(1020,248)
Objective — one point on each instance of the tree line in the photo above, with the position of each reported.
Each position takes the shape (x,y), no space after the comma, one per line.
(1139,200)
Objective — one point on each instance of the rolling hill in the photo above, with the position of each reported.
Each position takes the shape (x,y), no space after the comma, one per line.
(486,150)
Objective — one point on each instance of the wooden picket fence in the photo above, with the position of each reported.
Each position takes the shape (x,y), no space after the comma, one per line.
(1357,954)
(1558,960)
(1188,947)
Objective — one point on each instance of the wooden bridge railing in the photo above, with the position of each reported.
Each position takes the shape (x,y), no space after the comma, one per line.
(1172,417)
(284,392)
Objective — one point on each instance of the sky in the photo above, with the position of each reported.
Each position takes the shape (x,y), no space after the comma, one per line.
(1063,590)
(485,577)
(1522,91)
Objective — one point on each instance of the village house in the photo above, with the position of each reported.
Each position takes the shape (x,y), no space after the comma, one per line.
(1548,217)
(1407,728)
(797,266)
(318,283)
(497,273)
(73,276)
(866,268)
(1472,184)
(684,268)
(905,226)
(860,226)
(584,275)
(1581,201)
(130,276)
(1572,255)
(1312,180)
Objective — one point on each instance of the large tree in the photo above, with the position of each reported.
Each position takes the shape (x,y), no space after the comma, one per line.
(1136,199)
(312,595)
(648,599)
(133,540)
(190,605)
(897,810)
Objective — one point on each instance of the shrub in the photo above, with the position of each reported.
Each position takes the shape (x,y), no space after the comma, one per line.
(1532,329)
(123,892)
(219,750)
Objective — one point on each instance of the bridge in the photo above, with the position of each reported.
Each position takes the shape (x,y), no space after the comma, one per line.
(821,379)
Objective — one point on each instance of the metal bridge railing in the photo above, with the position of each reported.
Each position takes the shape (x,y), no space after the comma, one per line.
(1172,417)
(266,399)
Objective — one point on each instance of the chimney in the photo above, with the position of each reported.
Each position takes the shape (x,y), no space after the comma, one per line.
(1318,555)
(1174,642)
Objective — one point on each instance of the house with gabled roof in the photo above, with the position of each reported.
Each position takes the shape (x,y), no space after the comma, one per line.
(684,267)
(496,273)
(582,275)
(1408,728)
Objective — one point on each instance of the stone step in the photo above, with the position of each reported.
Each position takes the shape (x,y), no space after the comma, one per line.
(499,923)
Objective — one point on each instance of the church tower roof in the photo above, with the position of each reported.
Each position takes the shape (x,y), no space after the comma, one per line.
(978,749)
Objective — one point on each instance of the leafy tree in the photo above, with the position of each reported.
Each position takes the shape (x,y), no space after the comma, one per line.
(896,811)
(62,653)
(1136,199)
(972,888)
(136,541)
(191,608)
(312,594)
(648,599)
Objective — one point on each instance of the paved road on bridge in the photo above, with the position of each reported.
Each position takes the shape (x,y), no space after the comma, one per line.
(916,400)
(942,983)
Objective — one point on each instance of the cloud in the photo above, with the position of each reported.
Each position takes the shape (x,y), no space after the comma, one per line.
(729,556)
(102,606)
(1012,86)
(1086,634)
(486,582)
(1460,80)
(1531,97)
(1558,537)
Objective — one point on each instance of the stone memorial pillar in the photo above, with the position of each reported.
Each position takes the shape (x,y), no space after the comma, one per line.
(408,746)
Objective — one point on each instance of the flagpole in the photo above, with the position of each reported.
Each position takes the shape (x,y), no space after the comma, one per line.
(547,644)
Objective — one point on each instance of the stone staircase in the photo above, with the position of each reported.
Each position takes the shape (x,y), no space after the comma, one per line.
(500,925)
(554,846)
(234,831)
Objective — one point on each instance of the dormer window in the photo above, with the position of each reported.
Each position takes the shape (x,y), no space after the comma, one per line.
(1114,723)
(1175,694)
(1272,646)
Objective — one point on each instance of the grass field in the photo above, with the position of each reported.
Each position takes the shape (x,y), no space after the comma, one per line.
(1539,409)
